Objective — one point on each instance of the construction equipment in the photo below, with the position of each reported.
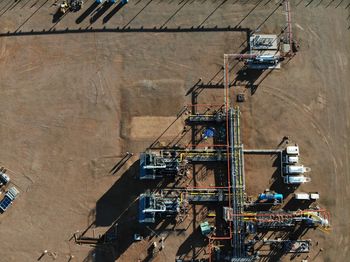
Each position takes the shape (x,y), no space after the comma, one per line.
(76,5)
(4,179)
(64,7)
(70,5)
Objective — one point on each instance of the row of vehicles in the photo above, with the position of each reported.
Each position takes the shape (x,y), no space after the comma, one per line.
(10,194)
(293,172)
(76,5)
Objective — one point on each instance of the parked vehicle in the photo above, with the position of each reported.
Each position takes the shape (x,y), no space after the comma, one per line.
(9,197)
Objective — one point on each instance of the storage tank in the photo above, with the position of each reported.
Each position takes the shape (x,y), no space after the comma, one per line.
(291,159)
(302,196)
(296,179)
(290,169)
(292,150)
(270,196)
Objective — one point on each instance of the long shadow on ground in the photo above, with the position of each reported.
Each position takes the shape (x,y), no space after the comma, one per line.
(118,208)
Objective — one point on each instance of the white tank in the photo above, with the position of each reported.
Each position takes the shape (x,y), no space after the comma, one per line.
(290,169)
(314,196)
(296,179)
(302,196)
(292,150)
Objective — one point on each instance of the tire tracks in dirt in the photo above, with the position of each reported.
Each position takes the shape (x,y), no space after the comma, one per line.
(305,111)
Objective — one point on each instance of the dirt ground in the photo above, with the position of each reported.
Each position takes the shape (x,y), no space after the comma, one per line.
(76,89)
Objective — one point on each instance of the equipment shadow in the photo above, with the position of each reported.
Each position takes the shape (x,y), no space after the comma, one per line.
(118,207)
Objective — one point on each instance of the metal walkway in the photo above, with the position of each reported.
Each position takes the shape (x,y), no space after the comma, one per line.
(238,183)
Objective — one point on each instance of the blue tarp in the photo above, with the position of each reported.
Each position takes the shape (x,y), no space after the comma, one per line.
(209,132)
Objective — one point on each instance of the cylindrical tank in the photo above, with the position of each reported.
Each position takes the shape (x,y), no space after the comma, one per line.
(270,196)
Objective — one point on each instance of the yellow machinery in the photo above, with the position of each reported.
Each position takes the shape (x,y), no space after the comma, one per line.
(64,7)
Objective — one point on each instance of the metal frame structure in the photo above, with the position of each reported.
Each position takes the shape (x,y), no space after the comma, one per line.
(233,196)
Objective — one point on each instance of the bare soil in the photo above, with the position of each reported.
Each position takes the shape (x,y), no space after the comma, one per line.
(74,90)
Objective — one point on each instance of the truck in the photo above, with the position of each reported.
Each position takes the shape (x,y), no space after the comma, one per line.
(9,197)
(295,170)
(292,150)
(296,179)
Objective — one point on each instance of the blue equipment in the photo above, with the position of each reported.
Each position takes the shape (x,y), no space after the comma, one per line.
(270,196)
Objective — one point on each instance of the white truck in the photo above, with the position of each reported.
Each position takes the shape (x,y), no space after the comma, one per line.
(296,170)
(293,180)
(9,197)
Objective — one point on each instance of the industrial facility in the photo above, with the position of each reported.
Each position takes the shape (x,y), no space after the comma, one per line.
(240,221)
(174,131)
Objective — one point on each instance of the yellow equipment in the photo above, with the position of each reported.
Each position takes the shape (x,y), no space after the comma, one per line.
(64,7)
